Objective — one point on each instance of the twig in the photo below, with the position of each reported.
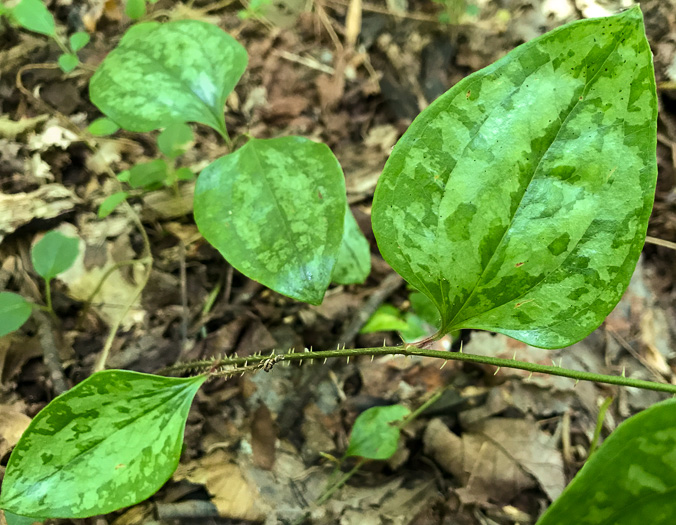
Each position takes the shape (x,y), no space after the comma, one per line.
(660,242)
(50,350)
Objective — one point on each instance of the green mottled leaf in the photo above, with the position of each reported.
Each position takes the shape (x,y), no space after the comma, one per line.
(102,126)
(518,201)
(108,443)
(375,434)
(15,519)
(34,16)
(110,203)
(162,73)
(78,40)
(14,312)
(135,9)
(54,254)
(630,479)
(387,318)
(68,62)
(175,139)
(148,174)
(424,308)
(275,210)
(354,258)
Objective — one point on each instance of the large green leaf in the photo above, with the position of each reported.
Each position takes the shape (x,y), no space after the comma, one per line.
(354,258)
(162,73)
(110,442)
(54,254)
(34,16)
(14,312)
(630,479)
(518,201)
(275,210)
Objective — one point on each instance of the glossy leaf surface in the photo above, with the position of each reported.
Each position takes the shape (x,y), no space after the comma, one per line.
(354,258)
(34,16)
(630,479)
(14,312)
(518,201)
(54,254)
(162,73)
(375,434)
(275,210)
(111,441)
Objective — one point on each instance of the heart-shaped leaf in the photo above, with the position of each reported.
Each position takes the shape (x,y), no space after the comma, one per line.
(54,254)
(518,201)
(354,258)
(630,479)
(275,210)
(162,73)
(14,312)
(108,443)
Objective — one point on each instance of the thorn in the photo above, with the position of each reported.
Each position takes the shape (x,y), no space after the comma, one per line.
(576,382)
(460,347)
(561,362)
(443,365)
(530,376)
(306,350)
(242,374)
(623,372)
(310,348)
(496,372)
(373,356)
(338,347)
(553,363)
(384,345)
(246,363)
(348,359)
(325,359)
(514,356)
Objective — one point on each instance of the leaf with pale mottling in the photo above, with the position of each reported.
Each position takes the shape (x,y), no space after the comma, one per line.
(275,210)
(110,442)
(518,201)
(630,479)
(14,312)
(354,258)
(375,434)
(15,519)
(162,73)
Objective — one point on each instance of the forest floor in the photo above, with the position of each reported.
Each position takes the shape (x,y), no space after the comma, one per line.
(496,448)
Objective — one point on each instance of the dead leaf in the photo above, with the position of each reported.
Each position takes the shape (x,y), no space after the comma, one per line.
(263,438)
(9,129)
(12,425)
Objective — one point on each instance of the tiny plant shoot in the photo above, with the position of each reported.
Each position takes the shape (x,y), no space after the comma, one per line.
(517,202)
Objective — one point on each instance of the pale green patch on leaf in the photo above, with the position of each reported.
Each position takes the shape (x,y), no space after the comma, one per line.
(162,73)
(354,258)
(110,203)
(102,126)
(54,254)
(630,479)
(108,443)
(518,201)
(275,210)
(14,312)
(375,434)
(425,309)
(135,9)
(34,16)
(148,174)
(15,519)
(68,62)
(78,40)
(175,139)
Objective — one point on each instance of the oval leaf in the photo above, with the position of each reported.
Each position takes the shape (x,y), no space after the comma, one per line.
(375,434)
(67,62)
(354,258)
(54,254)
(175,139)
(161,73)
(78,41)
(275,210)
(518,201)
(108,443)
(102,126)
(34,16)
(110,203)
(630,479)
(14,312)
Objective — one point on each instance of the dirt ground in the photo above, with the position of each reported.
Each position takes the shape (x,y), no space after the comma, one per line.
(494,449)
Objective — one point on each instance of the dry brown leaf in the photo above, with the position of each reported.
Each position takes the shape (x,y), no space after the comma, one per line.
(263,438)
(165,205)
(12,425)
(47,202)
(232,494)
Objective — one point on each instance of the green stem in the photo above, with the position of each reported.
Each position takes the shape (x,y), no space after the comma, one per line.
(410,350)
(324,497)
(599,425)
(61,45)
(48,296)
(413,415)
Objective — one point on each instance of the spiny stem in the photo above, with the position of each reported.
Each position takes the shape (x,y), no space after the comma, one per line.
(410,350)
